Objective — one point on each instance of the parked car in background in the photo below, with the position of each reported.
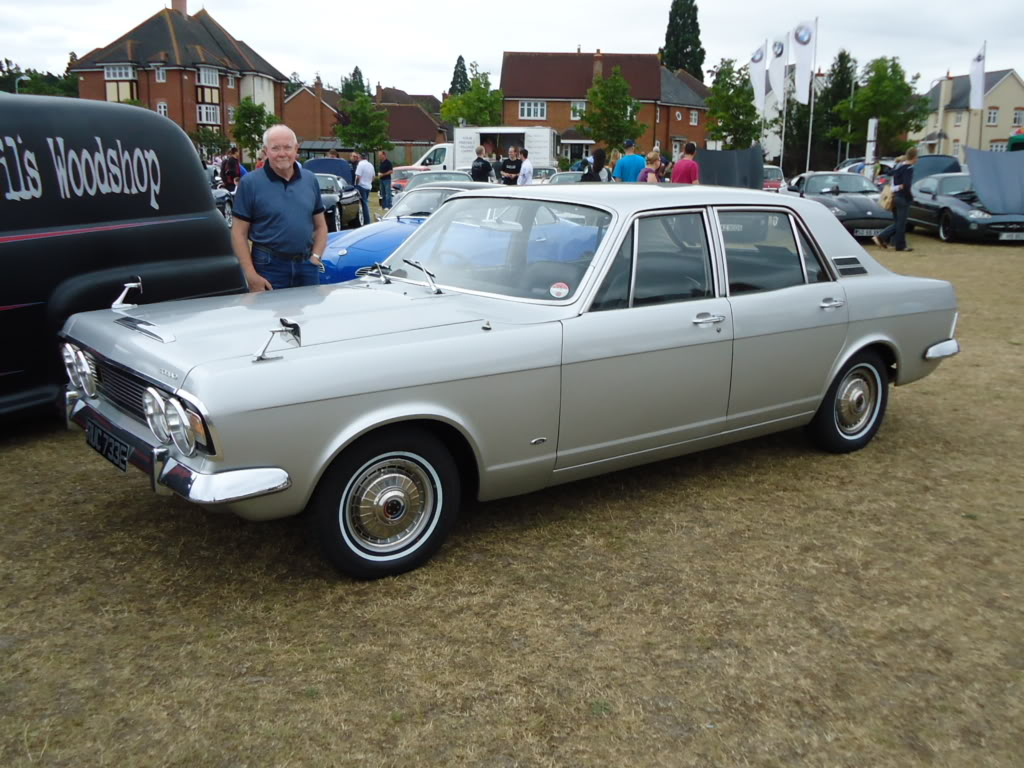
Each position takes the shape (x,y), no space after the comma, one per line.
(342,207)
(429,177)
(400,176)
(851,198)
(542,174)
(566,177)
(335,166)
(848,162)
(947,204)
(518,339)
(773,179)
(884,169)
(347,252)
(929,165)
(71,239)
(225,203)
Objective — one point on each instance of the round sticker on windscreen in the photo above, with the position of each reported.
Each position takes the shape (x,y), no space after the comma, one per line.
(559,290)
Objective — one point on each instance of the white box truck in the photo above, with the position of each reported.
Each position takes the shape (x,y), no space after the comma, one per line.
(541,142)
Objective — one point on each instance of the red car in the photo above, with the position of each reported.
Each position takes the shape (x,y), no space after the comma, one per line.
(402,173)
(772,178)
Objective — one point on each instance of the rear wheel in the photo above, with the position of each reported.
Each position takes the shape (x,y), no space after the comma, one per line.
(854,405)
(946,227)
(360,219)
(386,504)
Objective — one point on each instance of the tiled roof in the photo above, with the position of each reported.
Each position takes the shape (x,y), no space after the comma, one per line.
(183,41)
(410,122)
(960,93)
(677,91)
(570,75)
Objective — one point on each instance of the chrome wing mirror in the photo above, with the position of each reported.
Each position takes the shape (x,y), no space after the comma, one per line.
(289,331)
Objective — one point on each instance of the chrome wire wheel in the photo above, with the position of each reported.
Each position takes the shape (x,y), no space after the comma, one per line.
(390,504)
(337,218)
(857,401)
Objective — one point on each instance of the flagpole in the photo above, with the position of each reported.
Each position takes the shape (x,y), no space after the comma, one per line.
(810,123)
(782,152)
(981,116)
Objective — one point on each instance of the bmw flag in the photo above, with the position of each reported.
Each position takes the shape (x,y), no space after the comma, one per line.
(803,57)
(778,59)
(978,80)
(758,69)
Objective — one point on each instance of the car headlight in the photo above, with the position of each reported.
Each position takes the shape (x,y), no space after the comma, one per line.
(180,427)
(155,408)
(837,211)
(67,352)
(978,214)
(85,374)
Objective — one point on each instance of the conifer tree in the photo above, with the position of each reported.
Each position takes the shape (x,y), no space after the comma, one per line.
(460,79)
(682,39)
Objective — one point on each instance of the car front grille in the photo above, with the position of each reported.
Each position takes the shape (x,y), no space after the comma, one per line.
(120,387)
(1007,226)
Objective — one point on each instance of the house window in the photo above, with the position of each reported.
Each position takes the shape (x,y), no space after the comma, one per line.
(119,72)
(956,148)
(993,116)
(208,76)
(208,114)
(694,116)
(576,109)
(161,75)
(231,114)
(1018,116)
(958,118)
(121,90)
(161,108)
(206,95)
(997,146)
(533,110)
(231,81)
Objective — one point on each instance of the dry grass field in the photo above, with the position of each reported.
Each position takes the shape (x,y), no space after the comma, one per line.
(761,605)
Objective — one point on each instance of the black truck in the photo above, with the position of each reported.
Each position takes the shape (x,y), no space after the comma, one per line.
(94,196)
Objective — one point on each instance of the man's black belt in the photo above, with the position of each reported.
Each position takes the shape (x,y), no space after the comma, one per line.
(302,256)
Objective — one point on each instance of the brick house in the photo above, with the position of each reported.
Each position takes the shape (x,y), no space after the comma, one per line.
(312,112)
(550,89)
(187,68)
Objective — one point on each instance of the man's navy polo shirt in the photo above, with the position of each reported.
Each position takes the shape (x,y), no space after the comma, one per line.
(280,213)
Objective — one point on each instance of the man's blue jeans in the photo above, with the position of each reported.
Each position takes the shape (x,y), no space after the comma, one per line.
(284,273)
(385,193)
(364,200)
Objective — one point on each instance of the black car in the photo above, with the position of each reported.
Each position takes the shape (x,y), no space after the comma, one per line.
(225,204)
(96,196)
(929,165)
(851,197)
(341,203)
(947,204)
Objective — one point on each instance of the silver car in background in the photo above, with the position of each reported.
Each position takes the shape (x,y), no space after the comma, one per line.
(520,338)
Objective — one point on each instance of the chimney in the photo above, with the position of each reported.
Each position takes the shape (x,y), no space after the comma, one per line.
(181,6)
(579,48)
(598,64)
(378,96)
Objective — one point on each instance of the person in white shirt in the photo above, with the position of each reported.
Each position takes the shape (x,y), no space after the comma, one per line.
(364,182)
(526,170)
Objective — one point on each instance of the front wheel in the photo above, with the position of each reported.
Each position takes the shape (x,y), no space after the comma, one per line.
(946,227)
(386,504)
(854,405)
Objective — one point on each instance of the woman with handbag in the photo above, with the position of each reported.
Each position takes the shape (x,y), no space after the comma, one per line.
(902,178)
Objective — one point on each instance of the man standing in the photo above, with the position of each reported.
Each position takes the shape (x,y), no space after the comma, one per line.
(525,168)
(687,171)
(510,167)
(231,170)
(629,167)
(364,183)
(279,209)
(902,178)
(481,169)
(384,177)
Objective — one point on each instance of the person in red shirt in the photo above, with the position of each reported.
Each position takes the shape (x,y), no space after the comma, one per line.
(687,171)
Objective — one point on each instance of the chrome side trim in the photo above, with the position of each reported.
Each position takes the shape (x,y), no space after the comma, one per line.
(943,349)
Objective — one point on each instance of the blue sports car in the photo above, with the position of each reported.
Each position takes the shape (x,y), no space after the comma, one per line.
(348,251)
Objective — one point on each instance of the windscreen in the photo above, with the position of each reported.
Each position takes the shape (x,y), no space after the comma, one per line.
(419,202)
(847,183)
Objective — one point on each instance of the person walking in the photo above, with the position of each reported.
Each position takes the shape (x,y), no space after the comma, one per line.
(597,171)
(687,171)
(280,210)
(902,178)
(629,167)
(231,170)
(525,168)
(481,168)
(384,173)
(510,167)
(649,175)
(364,183)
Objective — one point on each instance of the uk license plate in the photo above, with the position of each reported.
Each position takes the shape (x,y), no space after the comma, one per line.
(866,232)
(1011,235)
(113,449)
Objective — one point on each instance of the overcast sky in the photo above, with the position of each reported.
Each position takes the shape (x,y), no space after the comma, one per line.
(414,45)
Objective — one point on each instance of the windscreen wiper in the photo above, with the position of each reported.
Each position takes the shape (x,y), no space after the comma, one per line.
(382,271)
(425,271)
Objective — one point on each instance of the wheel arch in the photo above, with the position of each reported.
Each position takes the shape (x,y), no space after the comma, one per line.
(884,347)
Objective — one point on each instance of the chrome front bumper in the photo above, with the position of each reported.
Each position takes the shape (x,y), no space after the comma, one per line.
(168,475)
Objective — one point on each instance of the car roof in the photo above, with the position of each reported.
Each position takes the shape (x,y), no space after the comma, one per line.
(460,185)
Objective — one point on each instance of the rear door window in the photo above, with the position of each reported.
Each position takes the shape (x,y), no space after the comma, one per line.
(760,251)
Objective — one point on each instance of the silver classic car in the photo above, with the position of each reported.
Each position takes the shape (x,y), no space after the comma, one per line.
(520,338)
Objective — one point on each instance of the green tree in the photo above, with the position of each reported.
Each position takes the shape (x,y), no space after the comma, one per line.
(353,85)
(479,105)
(611,112)
(460,80)
(884,93)
(209,142)
(732,116)
(364,126)
(251,120)
(682,39)
(295,82)
(38,83)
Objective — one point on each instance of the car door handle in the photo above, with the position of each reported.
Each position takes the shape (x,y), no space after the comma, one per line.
(706,318)
(831,303)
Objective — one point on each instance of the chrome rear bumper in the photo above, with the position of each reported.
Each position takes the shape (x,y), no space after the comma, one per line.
(943,349)
(167,475)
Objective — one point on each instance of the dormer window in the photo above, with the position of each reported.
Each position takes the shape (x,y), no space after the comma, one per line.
(161,75)
(209,76)
(119,72)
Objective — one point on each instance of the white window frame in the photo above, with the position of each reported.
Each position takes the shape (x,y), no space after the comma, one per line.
(533,110)
(209,77)
(958,118)
(207,114)
(1018,117)
(992,116)
(956,148)
(997,146)
(159,75)
(576,109)
(231,81)
(231,115)
(694,117)
(161,108)
(119,72)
